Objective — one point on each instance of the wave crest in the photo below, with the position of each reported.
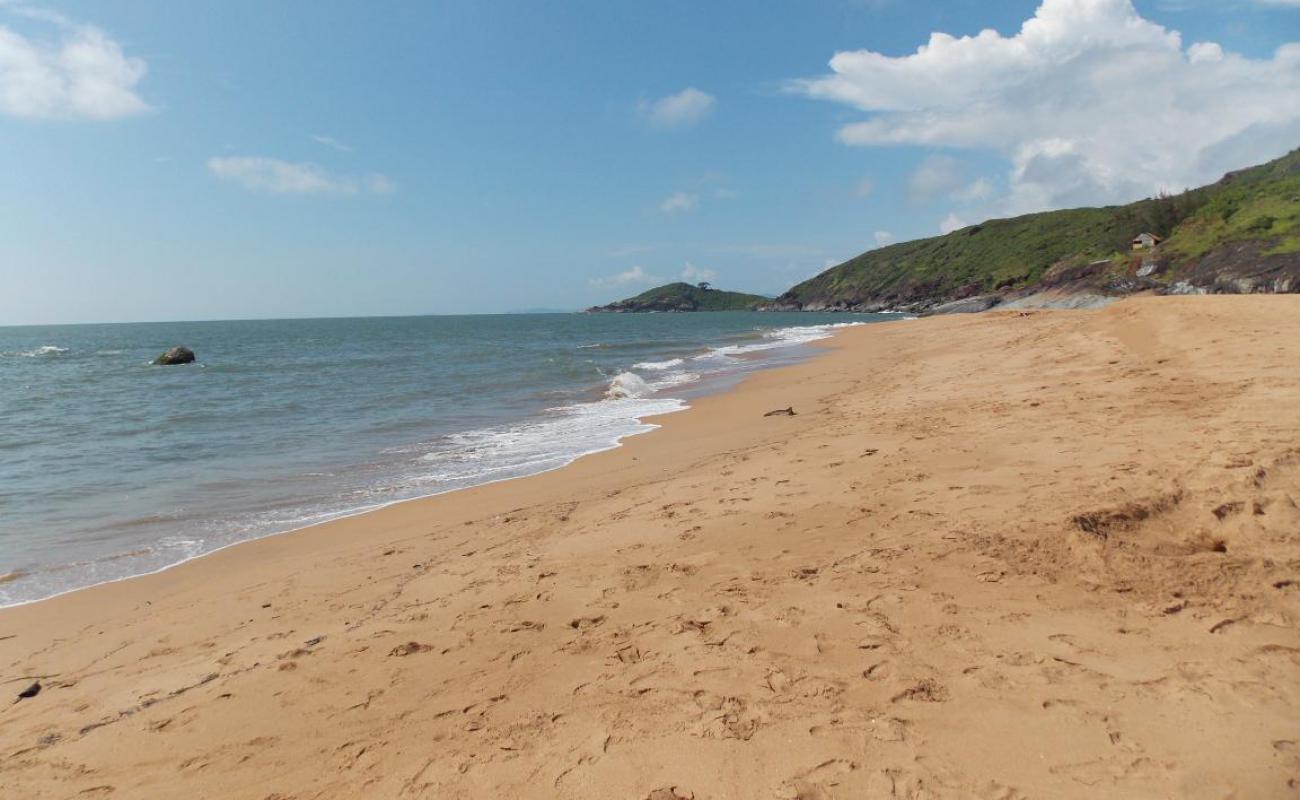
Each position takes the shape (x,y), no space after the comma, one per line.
(43,350)
(626,386)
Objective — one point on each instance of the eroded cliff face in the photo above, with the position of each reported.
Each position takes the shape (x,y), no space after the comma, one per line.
(1245,268)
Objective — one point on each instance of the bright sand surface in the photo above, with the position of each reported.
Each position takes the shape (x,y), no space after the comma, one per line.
(1017,554)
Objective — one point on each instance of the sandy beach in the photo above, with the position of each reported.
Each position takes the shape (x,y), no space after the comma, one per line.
(1018,554)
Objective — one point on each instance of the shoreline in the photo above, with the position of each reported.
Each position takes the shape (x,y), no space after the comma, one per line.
(735,381)
(723,380)
(19,573)
(1018,553)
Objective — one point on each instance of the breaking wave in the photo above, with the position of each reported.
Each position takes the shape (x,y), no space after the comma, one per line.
(40,352)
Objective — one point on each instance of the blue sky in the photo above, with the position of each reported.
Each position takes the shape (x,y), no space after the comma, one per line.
(248,159)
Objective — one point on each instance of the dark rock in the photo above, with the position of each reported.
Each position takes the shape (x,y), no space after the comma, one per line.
(781,412)
(1248,267)
(30,691)
(176,355)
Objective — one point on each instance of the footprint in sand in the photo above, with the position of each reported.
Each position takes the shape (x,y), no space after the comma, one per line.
(819,782)
(926,690)
(586,623)
(409,648)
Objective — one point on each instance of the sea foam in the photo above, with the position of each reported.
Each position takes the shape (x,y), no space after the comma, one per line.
(626,386)
(39,352)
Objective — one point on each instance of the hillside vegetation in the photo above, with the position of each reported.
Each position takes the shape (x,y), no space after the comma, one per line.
(1241,234)
(686,297)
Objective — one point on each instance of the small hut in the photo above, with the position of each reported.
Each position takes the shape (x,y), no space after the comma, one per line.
(1145,241)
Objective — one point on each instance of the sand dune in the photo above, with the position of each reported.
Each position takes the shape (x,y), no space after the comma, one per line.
(1019,554)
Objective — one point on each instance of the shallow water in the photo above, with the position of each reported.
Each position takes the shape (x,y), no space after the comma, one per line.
(112,467)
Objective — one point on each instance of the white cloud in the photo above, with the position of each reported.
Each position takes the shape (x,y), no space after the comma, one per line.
(287,177)
(331,142)
(951,223)
(632,277)
(694,274)
(936,176)
(979,189)
(680,110)
(883,238)
(943,176)
(83,75)
(1204,52)
(1089,103)
(679,201)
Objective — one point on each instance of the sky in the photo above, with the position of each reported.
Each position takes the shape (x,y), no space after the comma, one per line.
(244,159)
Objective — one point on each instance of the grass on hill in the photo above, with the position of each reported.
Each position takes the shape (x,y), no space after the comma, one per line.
(1257,204)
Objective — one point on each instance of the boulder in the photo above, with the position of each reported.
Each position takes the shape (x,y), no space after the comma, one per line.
(176,355)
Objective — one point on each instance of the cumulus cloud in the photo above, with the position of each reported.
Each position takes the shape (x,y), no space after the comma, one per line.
(694,274)
(883,238)
(1089,103)
(951,223)
(81,73)
(274,176)
(978,189)
(936,176)
(943,177)
(678,202)
(680,110)
(632,277)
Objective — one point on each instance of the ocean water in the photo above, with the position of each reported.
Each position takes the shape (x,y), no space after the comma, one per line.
(111,467)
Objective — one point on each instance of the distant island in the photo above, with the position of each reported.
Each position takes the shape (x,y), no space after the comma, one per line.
(1240,235)
(683,296)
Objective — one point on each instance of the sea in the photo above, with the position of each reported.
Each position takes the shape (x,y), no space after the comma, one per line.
(111,467)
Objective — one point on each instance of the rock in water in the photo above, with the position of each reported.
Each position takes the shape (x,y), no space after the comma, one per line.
(176,355)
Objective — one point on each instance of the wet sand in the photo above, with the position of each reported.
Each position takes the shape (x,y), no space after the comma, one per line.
(1015,554)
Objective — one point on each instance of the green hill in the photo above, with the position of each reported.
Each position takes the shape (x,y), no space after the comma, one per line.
(686,297)
(1241,234)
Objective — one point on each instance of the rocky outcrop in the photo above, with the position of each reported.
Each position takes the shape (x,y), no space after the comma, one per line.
(969,305)
(1055,299)
(176,355)
(1250,267)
